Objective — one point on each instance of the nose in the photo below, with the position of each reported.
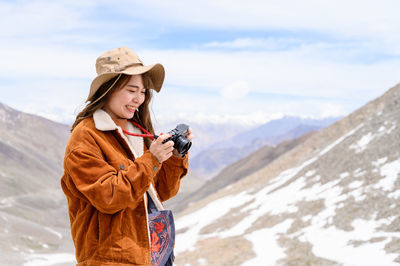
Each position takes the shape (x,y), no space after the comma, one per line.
(135,99)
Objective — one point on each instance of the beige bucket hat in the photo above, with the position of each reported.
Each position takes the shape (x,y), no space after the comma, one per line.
(124,61)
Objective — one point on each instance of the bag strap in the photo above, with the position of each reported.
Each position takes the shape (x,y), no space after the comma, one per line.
(151,206)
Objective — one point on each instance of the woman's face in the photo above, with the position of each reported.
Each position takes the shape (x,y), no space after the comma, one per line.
(124,102)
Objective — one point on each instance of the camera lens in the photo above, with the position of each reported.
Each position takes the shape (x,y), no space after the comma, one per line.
(182,144)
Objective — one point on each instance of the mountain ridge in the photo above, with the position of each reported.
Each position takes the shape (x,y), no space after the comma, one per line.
(335,194)
(33,209)
(210,160)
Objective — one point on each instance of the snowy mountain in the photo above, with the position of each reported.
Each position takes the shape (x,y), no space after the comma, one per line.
(332,200)
(210,160)
(277,130)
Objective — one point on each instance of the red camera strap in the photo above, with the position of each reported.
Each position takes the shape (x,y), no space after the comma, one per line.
(147,135)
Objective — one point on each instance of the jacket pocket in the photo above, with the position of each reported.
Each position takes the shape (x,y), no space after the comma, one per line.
(135,235)
(105,235)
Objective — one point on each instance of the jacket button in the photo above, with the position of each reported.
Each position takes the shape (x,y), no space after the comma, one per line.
(122,167)
(155,168)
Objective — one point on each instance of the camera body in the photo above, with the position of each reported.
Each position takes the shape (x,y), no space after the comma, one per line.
(181,143)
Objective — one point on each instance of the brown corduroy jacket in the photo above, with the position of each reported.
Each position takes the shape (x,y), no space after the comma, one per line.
(105,182)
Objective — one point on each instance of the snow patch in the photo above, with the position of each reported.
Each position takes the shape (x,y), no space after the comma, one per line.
(310,173)
(355,184)
(362,144)
(394,195)
(265,244)
(379,162)
(306,218)
(208,214)
(389,172)
(358,194)
(359,173)
(345,174)
(7,202)
(329,147)
(316,178)
(391,128)
(388,131)
(202,261)
(335,244)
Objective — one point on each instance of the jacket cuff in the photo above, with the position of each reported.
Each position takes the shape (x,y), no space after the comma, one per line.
(179,161)
(151,161)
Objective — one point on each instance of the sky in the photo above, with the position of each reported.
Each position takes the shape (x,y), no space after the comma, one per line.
(225,61)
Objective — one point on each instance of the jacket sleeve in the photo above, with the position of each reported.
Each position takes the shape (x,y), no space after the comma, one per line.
(109,189)
(167,180)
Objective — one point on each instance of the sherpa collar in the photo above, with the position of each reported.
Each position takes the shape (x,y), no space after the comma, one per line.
(104,122)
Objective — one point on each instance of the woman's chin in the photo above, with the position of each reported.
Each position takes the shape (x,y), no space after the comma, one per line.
(129,115)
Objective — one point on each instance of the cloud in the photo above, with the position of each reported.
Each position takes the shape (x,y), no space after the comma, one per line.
(236,90)
(18,18)
(305,71)
(256,43)
(350,18)
(255,108)
(207,83)
(322,58)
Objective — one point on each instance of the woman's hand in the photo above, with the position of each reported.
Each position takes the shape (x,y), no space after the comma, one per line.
(162,151)
(189,136)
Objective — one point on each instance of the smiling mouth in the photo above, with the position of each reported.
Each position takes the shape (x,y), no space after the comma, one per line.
(131,108)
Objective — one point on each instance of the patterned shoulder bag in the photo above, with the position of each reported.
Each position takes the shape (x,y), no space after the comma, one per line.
(162,234)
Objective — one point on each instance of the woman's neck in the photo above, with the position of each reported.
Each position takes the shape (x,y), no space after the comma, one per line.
(119,121)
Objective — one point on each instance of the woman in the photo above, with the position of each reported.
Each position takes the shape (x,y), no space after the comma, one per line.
(110,176)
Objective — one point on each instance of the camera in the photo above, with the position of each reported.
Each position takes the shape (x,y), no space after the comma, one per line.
(181,143)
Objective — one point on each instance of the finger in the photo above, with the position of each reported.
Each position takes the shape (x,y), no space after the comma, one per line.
(169,148)
(163,137)
(169,143)
(189,136)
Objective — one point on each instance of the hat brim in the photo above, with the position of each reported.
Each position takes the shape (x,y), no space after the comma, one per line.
(156,72)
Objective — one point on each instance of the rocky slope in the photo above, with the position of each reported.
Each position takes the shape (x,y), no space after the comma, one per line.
(33,214)
(332,200)
(242,168)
